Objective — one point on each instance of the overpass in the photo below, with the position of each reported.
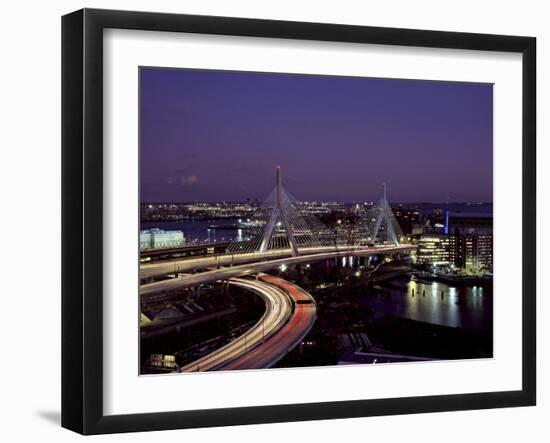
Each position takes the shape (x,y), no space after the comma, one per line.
(150,289)
(158,269)
(149,255)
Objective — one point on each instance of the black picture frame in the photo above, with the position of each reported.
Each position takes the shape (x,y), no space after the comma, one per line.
(82,216)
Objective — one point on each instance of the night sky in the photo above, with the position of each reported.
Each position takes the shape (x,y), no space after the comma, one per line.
(218,135)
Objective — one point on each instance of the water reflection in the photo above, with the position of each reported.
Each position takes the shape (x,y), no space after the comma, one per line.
(433,302)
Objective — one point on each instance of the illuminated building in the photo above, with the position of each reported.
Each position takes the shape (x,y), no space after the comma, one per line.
(161,363)
(433,249)
(472,242)
(158,239)
(473,252)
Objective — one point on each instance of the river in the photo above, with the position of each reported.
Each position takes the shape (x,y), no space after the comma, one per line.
(467,307)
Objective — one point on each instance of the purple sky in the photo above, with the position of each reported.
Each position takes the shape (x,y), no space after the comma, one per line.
(218,135)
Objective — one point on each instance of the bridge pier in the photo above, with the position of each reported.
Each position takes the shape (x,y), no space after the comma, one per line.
(196,290)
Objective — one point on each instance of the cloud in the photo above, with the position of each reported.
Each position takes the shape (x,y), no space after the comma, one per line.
(188,180)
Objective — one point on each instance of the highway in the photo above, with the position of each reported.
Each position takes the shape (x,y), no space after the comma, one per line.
(156,269)
(152,290)
(286,338)
(278,310)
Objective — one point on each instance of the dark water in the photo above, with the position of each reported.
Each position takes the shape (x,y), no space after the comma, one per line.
(198,232)
(467,307)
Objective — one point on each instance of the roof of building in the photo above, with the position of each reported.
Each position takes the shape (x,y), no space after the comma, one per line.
(470,215)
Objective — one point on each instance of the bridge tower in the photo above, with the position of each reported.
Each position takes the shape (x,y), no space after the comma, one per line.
(280,224)
(279,214)
(386,219)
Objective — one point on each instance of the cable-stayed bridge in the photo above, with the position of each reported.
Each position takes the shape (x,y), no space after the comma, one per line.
(278,224)
(279,232)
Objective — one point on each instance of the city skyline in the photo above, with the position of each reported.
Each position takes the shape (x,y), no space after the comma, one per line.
(218,136)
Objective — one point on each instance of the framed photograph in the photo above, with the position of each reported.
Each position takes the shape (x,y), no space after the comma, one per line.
(269,221)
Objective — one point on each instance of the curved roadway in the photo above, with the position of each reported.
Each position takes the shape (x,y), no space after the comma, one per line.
(278,310)
(288,337)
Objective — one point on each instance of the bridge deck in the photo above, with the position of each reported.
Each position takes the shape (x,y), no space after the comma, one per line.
(250,268)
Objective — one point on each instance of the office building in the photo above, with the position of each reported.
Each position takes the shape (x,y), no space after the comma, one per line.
(433,249)
(471,245)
